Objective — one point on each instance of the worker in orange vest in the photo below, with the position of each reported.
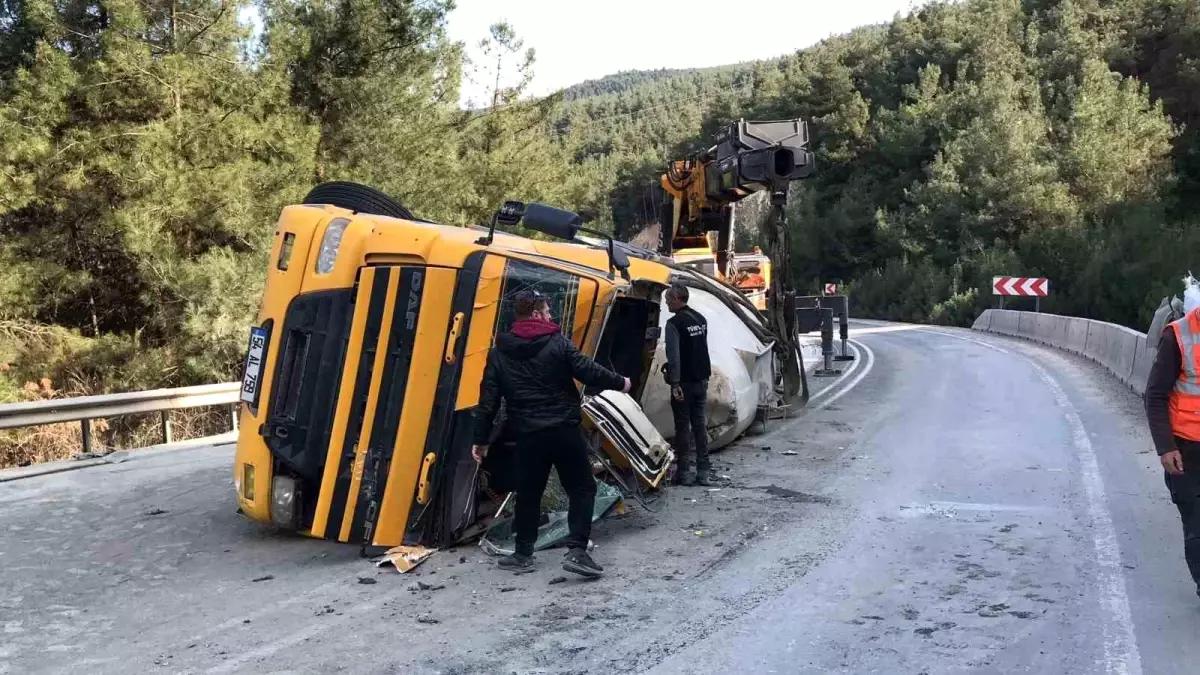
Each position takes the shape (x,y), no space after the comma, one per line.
(1173,412)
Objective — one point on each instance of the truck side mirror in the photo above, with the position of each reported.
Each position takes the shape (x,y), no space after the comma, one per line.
(554,222)
(620,261)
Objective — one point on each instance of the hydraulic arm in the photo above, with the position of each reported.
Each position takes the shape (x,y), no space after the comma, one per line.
(701,191)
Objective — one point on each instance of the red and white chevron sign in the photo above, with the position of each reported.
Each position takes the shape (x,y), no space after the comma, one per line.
(1025,286)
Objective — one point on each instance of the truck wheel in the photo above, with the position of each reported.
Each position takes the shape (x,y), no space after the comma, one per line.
(357,198)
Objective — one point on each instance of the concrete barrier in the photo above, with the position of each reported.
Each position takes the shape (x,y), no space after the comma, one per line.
(1027,325)
(1077,333)
(1142,360)
(1122,351)
(1052,329)
(1123,348)
(983,322)
(1095,344)
(1004,321)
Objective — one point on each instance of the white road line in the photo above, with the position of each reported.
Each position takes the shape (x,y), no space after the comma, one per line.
(981,343)
(1120,642)
(840,378)
(857,378)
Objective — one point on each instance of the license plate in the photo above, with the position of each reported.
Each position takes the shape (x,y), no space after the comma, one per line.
(252,374)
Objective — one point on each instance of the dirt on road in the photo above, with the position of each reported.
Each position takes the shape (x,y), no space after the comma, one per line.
(660,590)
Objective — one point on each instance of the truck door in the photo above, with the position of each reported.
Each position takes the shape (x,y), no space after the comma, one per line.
(445,503)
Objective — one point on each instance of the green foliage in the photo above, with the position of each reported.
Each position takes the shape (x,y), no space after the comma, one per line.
(995,137)
(148,147)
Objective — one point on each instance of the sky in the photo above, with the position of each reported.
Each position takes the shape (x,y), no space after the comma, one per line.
(597,38)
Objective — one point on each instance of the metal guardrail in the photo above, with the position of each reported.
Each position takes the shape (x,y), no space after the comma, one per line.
(84,409)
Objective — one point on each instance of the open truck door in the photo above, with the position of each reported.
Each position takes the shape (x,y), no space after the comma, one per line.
(629,438)
(628,344)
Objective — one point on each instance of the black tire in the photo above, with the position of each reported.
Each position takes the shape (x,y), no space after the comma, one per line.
(357,198)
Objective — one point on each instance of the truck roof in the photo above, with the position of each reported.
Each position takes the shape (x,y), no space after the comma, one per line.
(449,245)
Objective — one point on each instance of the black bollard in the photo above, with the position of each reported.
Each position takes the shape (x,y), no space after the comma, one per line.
(827,345)
(844,328)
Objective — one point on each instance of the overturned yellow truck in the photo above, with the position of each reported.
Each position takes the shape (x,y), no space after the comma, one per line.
(364,365)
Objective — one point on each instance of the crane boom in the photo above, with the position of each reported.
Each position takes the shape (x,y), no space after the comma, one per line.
(747,157)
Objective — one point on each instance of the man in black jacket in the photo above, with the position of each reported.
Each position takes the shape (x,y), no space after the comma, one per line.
(533,367)
(688,370)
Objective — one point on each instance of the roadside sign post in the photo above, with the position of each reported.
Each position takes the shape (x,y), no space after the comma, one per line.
(1027,287)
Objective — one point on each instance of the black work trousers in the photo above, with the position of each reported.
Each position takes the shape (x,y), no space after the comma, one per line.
(564,448)
(691,429)
(1185,492)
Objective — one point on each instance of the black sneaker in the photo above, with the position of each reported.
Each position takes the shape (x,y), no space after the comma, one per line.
(516,562)
(579,562)
(703,479)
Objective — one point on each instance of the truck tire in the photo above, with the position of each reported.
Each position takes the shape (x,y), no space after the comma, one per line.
(357,198)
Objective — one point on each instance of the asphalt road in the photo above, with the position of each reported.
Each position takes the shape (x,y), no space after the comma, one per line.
(955,503)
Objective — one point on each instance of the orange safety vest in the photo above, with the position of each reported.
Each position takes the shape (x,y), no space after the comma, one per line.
(1185,398)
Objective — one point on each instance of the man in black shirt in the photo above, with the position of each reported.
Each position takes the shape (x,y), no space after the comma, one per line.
(1173,413)
(533,367)
(688,370)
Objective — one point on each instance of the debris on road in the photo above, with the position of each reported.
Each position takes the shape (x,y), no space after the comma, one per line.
(557,580)
(265,578)
(422,586)
(508,589)
(405,558)
(789,452)
(500,539)
(366,580)
(156,512)
(427,619)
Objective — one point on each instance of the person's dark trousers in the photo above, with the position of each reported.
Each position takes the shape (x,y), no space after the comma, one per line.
(1185,492)
(691,429)
(563,448)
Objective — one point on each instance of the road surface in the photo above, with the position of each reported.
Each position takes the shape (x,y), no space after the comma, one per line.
(955,503)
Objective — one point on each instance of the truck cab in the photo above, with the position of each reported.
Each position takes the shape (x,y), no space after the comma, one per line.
(365,361)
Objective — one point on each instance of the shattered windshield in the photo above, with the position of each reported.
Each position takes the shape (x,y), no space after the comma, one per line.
(560,288)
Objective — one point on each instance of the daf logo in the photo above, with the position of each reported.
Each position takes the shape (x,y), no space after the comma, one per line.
(414,300)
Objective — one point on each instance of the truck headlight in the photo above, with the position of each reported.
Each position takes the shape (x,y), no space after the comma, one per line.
(330,243)
(284,502)
(245,487)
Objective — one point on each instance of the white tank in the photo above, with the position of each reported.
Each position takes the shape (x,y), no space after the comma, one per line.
(741,374)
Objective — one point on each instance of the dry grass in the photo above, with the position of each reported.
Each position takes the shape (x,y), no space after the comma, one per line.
(51,442)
